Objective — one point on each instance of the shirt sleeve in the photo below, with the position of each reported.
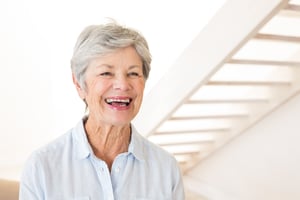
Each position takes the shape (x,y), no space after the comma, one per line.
(30,183)
(178,189)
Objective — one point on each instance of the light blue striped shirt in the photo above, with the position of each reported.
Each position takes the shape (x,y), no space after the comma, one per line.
(67,169)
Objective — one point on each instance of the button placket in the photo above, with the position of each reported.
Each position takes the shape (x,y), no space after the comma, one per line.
(104,177)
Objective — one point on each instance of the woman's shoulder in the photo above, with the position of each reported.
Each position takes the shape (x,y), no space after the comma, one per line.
(152,150)
(52,149)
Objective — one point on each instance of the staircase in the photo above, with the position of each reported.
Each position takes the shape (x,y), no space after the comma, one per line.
(241,67)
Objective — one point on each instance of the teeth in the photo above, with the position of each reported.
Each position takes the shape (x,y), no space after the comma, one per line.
(118,100)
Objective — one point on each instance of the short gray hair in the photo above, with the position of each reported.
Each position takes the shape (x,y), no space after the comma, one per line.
(98,40)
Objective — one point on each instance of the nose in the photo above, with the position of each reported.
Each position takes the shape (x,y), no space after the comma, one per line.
(122,83)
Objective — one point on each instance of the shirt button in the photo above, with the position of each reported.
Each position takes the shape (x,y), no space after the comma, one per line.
(102,169)
(117,169)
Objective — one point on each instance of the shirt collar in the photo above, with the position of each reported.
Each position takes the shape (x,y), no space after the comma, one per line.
(84,150)
(82,146)
(136,146)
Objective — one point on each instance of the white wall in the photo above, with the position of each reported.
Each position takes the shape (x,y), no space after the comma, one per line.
(261,164)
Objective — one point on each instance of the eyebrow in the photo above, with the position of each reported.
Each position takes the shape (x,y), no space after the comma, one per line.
(110,66)
(135,66)
(104,65)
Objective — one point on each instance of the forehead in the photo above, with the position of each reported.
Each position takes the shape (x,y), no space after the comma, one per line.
(124,57)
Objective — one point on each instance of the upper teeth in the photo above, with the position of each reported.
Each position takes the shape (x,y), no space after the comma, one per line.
(118,100)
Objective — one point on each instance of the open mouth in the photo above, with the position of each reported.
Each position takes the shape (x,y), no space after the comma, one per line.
(118,102)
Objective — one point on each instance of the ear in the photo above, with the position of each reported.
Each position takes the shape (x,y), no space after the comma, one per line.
(81,92)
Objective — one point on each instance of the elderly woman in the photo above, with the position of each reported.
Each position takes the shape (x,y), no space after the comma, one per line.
(103,156)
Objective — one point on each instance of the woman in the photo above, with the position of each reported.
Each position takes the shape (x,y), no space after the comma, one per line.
(103,156)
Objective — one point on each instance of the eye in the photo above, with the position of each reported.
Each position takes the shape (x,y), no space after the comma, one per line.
(106,74)
(134,74)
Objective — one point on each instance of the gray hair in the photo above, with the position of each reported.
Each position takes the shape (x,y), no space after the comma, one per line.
(98,40)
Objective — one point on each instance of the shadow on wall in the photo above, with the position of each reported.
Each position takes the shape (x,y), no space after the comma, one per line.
(9,190)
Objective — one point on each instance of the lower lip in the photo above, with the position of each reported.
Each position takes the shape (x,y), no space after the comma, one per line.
(118,107)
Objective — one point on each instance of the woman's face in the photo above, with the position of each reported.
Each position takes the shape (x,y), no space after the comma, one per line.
(114,87)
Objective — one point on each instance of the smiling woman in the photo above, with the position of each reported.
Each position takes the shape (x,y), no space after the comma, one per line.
(104,151)
(113,85)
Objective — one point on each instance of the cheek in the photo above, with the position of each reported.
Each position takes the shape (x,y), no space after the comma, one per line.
(95,90)
(140,92)
(140,86)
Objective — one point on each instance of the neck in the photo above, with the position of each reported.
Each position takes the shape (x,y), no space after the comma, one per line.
(108,141)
